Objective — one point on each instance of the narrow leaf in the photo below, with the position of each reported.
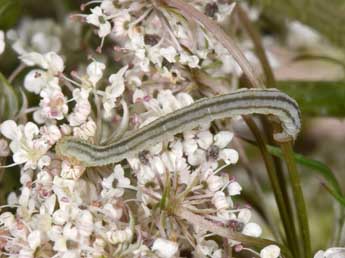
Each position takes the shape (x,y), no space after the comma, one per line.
(10,11)
(316,166)
(9,100)
(317,98)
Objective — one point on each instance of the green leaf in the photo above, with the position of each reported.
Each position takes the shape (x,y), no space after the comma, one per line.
(317,98)
(315,166)
(10,11)
(9,100)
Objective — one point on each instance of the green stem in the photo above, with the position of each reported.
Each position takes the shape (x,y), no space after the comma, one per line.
(288,224)
(270,82)
(259,49)
(298,197)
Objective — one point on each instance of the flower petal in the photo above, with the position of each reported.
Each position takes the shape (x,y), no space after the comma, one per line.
(205,139)
(230,156)
(271,251)
(252,229)
(9,129)
(223,138)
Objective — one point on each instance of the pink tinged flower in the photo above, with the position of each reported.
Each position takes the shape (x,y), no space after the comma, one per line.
(50,133)
(252,229)
(100,20)
(270,251)
(165,248)
(54,103)
(86,131)
(2,42)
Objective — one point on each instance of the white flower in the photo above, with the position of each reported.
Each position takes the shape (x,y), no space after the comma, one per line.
(71,171)
(82,108)
(120,236)
(191,60)
(208,248)
(220,201)
(169,54)
(108,7)
(38,79)
(95,72)
(234,188)
(114,91)
(2,42)
(35,239)
(271,251)
(26,145)
(165,248)
(121,24)
(114,185)
(301,36)
(244,215)
(205,147)
(333,252)
(252,229)
(51,61)
(35,81)
(100,20)
(40,35)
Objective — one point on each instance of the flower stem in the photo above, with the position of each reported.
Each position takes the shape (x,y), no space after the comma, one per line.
(298,196)
(289,227)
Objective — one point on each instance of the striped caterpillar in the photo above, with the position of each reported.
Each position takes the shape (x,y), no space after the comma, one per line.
(240,102)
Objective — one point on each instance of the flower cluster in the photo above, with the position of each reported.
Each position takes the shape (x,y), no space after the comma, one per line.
(132,209)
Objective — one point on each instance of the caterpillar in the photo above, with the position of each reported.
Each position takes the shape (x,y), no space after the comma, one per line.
(240,102)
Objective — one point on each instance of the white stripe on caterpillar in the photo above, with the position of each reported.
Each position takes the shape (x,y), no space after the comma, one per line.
(240,102)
